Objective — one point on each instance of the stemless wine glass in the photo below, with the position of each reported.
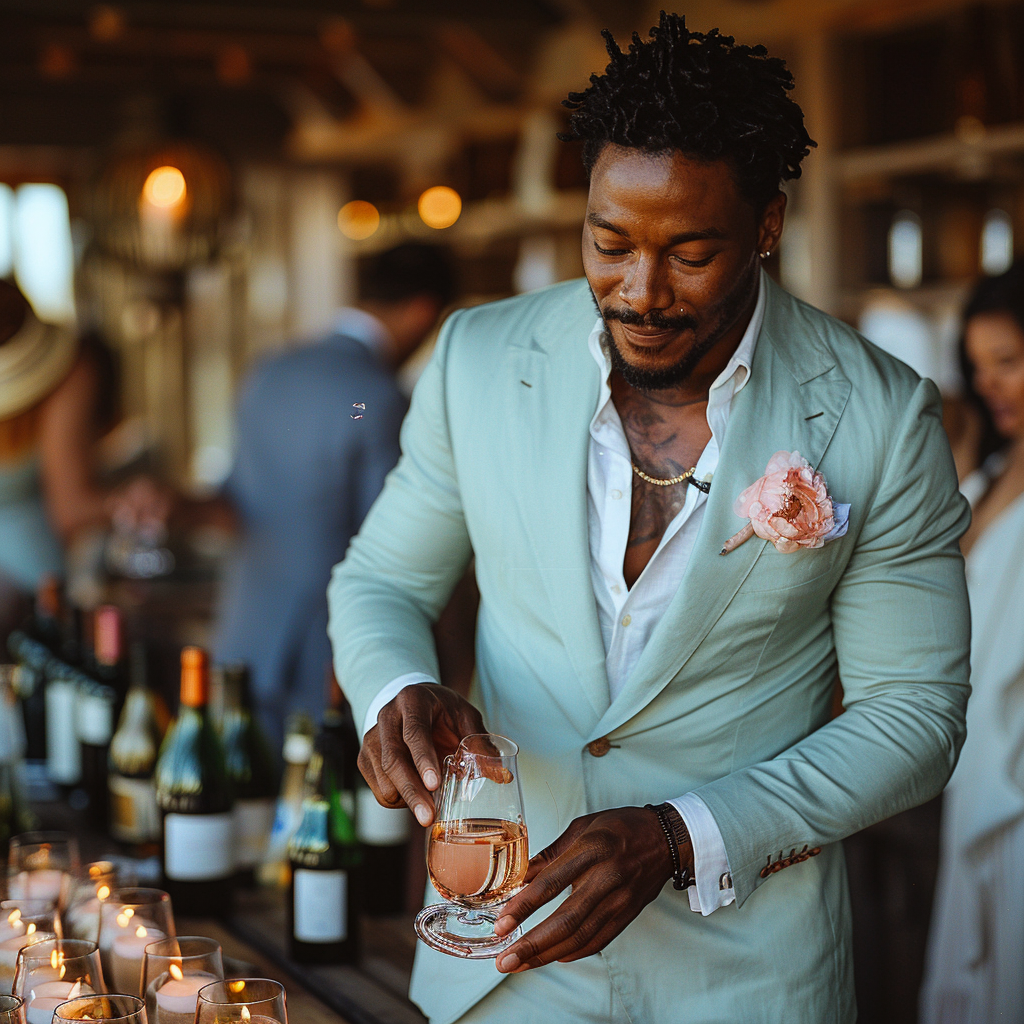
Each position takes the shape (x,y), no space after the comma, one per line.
(130,919)
(41,865)
(50,973)
(99,879)
(102,1008)
(173,972)
(23,922)
(477,849)
(253,1000)
(12,1010)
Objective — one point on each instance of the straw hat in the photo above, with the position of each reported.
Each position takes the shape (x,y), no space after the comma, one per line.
(33,362)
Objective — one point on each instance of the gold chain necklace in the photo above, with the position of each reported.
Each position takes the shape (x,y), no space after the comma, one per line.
(682,478)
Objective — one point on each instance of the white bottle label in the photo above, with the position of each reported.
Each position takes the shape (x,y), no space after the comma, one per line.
(321,905)
(95,719)
(63,756)
(380,826)
(254,820)
(134,817)
(198,847)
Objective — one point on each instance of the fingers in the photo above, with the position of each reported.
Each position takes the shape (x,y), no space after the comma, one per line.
(379,783)
(584,924)
(397,765)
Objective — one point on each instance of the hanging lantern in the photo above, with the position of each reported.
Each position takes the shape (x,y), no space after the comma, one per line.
(163,209)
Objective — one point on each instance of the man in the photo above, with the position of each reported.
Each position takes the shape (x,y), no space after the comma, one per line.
(317,433)
(632,662)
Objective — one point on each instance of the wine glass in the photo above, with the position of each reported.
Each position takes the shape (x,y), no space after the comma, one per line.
(477,849)
(102,1008)
(130,919)
(83,914)
(12,1010)
(173,972)
(41,865)
(51,972)
(23,922)
(253,1000)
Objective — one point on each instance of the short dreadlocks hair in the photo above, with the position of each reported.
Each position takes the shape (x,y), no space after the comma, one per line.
(700,94)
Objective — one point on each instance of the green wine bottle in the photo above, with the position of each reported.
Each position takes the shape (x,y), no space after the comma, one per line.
(196,800)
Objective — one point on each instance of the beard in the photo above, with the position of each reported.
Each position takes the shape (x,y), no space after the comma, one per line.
(721,319)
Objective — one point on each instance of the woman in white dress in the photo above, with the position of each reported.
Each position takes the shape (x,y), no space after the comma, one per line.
(975,969)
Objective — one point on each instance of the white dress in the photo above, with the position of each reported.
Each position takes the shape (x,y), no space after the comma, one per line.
(975,968)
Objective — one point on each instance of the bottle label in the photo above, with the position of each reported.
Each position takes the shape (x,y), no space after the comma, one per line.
(321,905)
(254,820)
(380,826)
(134,817)
(198,847)
(95,719)
(63,754)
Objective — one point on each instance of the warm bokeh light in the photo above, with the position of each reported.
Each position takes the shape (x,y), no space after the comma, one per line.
(440,206)
(358,219)
(164,188)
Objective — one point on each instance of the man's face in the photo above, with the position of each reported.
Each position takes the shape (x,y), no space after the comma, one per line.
(670,248)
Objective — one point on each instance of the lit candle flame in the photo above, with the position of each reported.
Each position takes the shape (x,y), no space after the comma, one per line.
(30,929)
(103,892)
(75,990)
(14,916)
(63,971)
(54,959)
(236,986)
(141,932)
(129,911)
(122,920)
(176,972)
(245,1013)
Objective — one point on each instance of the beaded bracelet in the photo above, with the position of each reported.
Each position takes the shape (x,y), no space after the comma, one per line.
(681,878)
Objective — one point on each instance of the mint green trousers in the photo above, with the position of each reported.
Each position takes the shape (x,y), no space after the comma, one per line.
(576,993)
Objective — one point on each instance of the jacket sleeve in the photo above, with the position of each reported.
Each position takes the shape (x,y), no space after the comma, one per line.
(412,549)
(901,625)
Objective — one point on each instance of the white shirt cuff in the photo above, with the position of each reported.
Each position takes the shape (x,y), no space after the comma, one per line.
(389,693)
(710,861)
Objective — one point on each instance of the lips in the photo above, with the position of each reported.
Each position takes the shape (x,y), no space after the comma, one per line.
(647,337)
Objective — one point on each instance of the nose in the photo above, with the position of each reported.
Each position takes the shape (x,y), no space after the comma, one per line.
(645,286)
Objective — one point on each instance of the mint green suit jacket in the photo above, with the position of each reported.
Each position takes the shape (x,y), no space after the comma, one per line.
(731,697)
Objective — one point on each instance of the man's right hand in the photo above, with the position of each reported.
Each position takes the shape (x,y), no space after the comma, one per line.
(401,755)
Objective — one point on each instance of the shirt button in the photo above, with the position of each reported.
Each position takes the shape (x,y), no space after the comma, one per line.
(616,589)
(627,619)
(616,494)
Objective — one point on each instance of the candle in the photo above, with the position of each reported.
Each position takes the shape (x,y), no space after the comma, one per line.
(126,956)
(43,884)
(45,997)
(9,949)
(176,997)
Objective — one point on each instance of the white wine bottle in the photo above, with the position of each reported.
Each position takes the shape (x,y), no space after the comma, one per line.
(196,800)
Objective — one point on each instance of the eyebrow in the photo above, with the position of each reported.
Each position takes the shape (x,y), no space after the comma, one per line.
(684,236)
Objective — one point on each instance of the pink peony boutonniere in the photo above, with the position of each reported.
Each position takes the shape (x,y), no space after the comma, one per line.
(790,506)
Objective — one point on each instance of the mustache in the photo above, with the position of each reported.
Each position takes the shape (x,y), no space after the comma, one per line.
(655,319)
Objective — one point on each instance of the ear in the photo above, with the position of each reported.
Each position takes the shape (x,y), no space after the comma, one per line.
(769,231)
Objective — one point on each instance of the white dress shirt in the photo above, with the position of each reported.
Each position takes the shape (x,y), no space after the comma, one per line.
(628,616)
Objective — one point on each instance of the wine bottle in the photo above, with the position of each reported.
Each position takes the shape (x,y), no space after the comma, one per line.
(32,658)
(108,659)
(63,753)
(134,816)
(94,729)
(195,800)
(15,816)
(252,771)
(324,854)
(298,749)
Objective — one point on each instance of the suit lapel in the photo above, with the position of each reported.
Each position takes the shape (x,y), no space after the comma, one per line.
(555,385)
(793,401)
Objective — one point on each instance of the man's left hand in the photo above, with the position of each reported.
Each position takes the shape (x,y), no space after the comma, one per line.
(616,861)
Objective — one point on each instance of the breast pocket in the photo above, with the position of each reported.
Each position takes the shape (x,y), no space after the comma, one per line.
(776,572)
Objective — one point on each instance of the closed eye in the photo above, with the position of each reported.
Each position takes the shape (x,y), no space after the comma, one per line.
(610,252)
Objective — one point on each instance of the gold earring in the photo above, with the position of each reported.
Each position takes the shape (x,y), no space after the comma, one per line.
(766,254)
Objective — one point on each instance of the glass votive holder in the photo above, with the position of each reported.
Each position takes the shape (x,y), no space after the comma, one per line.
(23,922)
(173,972)
(50,973)
(130,919)
(12,1010)
(82,918)
(42,865)
(253,1000)
(116,1009)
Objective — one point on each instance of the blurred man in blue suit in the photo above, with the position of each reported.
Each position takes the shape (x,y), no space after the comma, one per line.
(317,432)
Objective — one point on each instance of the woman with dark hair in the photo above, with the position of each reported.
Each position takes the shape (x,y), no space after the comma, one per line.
(976,948)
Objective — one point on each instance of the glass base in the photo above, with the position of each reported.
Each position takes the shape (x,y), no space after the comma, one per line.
(458,931)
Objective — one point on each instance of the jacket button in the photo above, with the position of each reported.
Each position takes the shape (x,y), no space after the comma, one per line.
(599,747)
(814,852)
(765,872)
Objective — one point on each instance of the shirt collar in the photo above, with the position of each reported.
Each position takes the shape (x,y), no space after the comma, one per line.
(363,327)
(739,365)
